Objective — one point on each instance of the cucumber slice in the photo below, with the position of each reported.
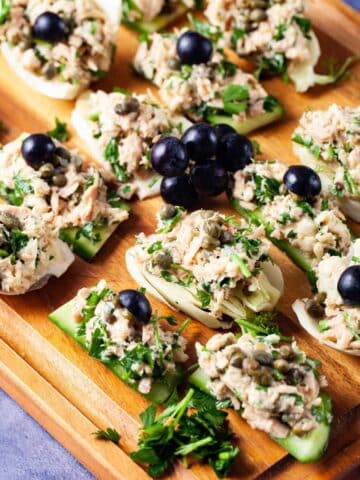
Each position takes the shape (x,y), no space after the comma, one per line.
(161,389)
(158,23)
(307,448)
(251,123)
(83,246)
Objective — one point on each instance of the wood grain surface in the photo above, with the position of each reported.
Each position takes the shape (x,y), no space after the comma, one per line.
(71,394)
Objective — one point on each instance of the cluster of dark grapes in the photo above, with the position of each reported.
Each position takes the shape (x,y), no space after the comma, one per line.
(198,164)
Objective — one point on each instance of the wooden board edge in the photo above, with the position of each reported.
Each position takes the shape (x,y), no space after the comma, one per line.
(62,420)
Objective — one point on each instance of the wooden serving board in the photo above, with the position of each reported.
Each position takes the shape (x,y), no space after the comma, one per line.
(71,394)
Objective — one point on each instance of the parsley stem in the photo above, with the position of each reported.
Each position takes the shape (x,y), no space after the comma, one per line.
(186,449)
(241,264)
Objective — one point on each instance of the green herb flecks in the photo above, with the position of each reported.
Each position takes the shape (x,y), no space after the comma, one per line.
(59,132)
(5,7)
(109,434)
(15,196)
(266,189)
(112,155)
(235,98)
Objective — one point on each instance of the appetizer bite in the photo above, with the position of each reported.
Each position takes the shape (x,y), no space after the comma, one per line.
(196,79)
(30,251)
(329,141)
(44,176)
(209,266)
(333,316)
(275,34)
(150,16)
(59,47)
(297,217)
(274,386)
(120,130)
(120,330)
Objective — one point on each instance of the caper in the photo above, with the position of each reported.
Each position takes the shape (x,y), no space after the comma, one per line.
(320,297)
(9,220)
(314,308)
(260,3)
(128,105)
(281,365)
(59,180)
(257,15)
(263,357)
(63,153)
(2,236)
(212,229)
(286,351)
(209,242)
(163,260)
(174,63)
(227,237)
(237,360)
(264,378)
(298,429)
(50,71)
(46,170)
(167,211)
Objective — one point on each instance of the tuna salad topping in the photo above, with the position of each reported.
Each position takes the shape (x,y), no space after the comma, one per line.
(60,40)
(147,10)
(274,31)
(124,129)
(201,90)
(314,226)
(332,137)
(276,386)
(338,322)
(217,259)
(59,188)
(145,351)
(30,251)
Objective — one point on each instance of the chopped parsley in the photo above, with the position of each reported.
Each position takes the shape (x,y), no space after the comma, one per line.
(265,188)
(59,132)
(155,247)
(109,434)
(167,224)
(5,6)
(91,230)
(89,310)
(111,154)
(235,98)
(193,426)
(204,297)
(304,25)
(15,196)
(212,32)
(117,202)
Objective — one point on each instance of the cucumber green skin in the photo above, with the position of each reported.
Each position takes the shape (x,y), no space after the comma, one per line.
(84,247)
(294,253)
(162,388)
(307,448)
(251,123)
(159,23)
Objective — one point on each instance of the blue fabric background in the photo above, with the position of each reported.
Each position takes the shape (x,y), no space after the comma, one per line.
(28,452)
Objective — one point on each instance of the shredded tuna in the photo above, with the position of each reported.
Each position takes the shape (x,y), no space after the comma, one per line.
(148,10)
(84,57)
(276,386)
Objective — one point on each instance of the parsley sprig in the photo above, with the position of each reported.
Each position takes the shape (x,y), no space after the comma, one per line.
(190,427)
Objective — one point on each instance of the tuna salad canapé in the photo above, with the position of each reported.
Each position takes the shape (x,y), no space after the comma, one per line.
(206,265)
(333,316)
(275,385)
(120,130)
(41,174)
(58,46)
(312,225)
(329,141)
(151,15)
(202,83)
(274,33)
(30,251)
(120,330)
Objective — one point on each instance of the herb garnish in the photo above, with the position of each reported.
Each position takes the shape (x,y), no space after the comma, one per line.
(109,434)
(59,132)
(176,433)
(111,154)
(15,196)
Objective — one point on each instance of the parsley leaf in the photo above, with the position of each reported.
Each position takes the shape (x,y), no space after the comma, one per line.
(5,6)
(304,25)
(111,154)
(235,98)
(15,196)
(59,132)
(108,434)
(266,188)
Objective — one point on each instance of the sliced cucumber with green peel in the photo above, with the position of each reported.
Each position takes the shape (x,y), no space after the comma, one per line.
(162,388)
(86,247)
(250,123)
(306,448)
